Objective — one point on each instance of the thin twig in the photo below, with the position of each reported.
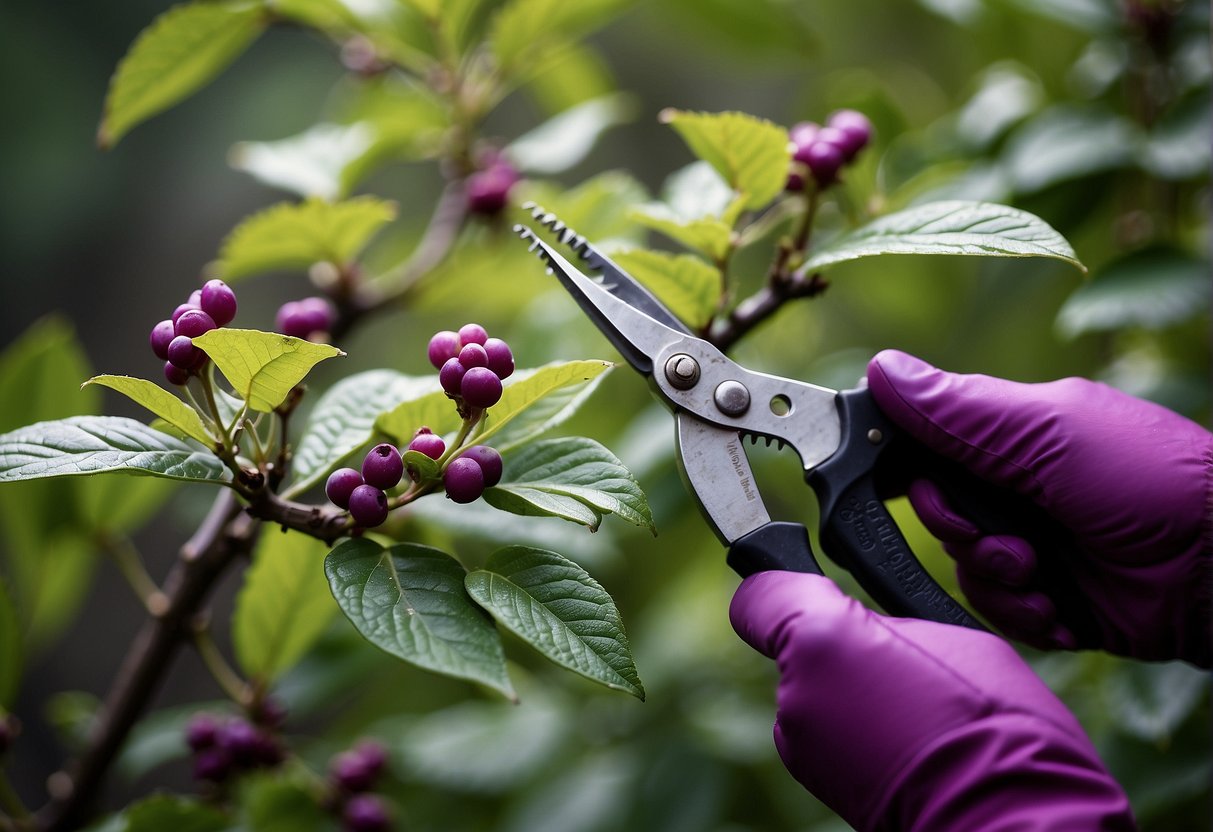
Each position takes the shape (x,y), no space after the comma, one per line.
(238,690)
(126,557)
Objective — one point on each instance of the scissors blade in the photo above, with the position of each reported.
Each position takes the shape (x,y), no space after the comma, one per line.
(712,459)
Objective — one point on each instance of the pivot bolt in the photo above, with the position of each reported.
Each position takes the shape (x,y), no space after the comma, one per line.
(732,398)
(682,371)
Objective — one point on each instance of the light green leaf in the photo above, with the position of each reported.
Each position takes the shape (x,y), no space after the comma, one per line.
(696,191)
(180,814)
(750,153)
(566,139)
(284,605)
(180,52)
(524,29)
(707,236)
(12,650)
(686,284)
(262,366)
(410,601)
(1007,93)
(332,16)
(555,606)
(159,401)
(100,444)
(545,414)
(312,163)
(1153,289)
(296,235)
(574,478)
(1067,142)
(421,468)
(343,420)
(952,227)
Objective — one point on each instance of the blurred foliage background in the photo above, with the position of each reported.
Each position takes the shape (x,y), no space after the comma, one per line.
(1096,120)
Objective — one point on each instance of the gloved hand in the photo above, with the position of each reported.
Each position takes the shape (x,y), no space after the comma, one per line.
(1131,480)
(900,724)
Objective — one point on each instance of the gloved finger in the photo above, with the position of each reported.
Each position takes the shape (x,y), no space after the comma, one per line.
(1026,615)
(768,606)
(1002,559)
(937,514)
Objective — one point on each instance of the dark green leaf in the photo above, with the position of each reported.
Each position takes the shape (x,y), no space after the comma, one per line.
(100,444)
(1085,15)
(1151,701)
(1178,146)
(1007,93)
(180,52)
(274,803)
(1065,143)
(750,153)
(263,367)
(555,606)
(574,478)
(410,601)
(284,606)
(953,227)
(169,812)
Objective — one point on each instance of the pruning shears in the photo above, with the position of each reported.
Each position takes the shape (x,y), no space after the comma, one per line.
(850,451)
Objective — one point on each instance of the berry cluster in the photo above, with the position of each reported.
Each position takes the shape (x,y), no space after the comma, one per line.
(310,318)
(224,746)
(471,365)
(824,151)
(214,305)
(488,189)
(352,774)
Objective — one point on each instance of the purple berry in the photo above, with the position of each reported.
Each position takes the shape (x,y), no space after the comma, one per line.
(162,333)
(428,443)
(443,346)
(368,506)
(472,334)
(451,376)
(240,739)
(182,353)
(306,317)
(319,312)
(193,322)
(181,310)
(489,461)
(824,160)
(268,752)
(356,770)
(803,133)
(202,731)
(219,301)
(340,485)
(463,480)
(373,754)
(488,190)
(195,299)
(500,357)
(213,765)
(269,712)
(175,374)
(855,128)
(480,387)
(366,813)
(473,355)
(795,181)
(382,467)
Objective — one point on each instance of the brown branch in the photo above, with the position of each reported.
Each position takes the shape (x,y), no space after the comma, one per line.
(761,305)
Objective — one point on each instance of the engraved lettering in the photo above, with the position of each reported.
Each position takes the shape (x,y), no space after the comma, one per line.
(747,487)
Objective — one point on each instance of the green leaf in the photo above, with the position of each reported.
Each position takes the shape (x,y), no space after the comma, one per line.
(332,16)
(262,366)
(750,153)
(545,414)
(12,650)
(566,139)
(524,29)
(409,600)
(271,802)
(100,444)
(343,420)
(555,606)
(1152,289)
(164,811)
(1066,143)
(574,478)
(312,163)
(296,235)
(180,52)
(1151,701)
(420,467)
(159,401)
(708,236)
(686,284)
(1178,146)
(284,605)
(952,227)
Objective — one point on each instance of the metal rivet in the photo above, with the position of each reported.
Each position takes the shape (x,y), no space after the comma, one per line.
(682,371)
(732,398)
(875,436)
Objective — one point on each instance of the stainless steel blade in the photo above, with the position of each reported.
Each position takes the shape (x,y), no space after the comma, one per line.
(717,471)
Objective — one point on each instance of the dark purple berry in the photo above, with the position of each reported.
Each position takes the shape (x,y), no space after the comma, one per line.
(473,355)
(373,754)
(175,374)
(304,318)
(181,310)
(218,301)
(480,387)
(213,765)
(269,712)
(428,443)
(195,299)
(366,813)
(451,376)
(855,128)
(368,506)
(162,333)
(193,322)
(472,334)
(202,731)
(500,357)
(443,346)
(382,467)
(340,485)
(319,312)
(795,181)
(463,480)
(240,739)
(182,353)
(489,461)
(357,770)
(488,191)
(824,160)
(803,133)
(268,751)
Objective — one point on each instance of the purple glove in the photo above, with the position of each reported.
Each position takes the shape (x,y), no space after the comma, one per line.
(899,724)
(1131,480)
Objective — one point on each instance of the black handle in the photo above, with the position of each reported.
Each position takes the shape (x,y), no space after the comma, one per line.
(858,532)
(773,546)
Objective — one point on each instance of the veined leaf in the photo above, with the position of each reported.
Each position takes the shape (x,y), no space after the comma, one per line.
(750,153)
(262,366)
(545,414)
(708,236)
(952,227)
(159,401)
(12,649)
(101,444)
(524,29)
(284,605)
(410,601)
(574,478)
(343,420)
(180,52)
(686,284)
(296,235)
(556,607)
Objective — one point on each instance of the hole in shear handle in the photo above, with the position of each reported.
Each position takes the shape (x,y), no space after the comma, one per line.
(781,405)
